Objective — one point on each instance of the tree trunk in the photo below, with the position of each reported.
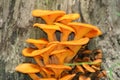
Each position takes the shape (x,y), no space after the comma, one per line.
(16,26)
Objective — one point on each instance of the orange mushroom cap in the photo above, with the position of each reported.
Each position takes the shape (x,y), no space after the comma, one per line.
(47,15)
(68,18)
(28,68)
(85,30)
(88,68)
(38,43)
(66,30)
(49,29)
(68,77)
(31,53)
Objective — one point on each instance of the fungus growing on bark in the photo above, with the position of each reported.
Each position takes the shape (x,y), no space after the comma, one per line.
(66,30)
(29,69)
(60,60)
(68,18)
(84,30)
(49,29)
(48,16)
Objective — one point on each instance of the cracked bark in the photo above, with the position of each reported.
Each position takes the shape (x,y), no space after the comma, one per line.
(16,26)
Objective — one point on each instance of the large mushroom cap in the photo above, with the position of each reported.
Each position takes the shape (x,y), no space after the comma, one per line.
(28,68)
(68,18)
(81,41)
(86,30)
(47,15)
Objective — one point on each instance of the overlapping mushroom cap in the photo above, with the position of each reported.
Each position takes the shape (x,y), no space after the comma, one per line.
(47,15)
(53,56)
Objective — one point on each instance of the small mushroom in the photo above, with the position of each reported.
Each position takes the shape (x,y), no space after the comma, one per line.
(82,77)
(61,55)
(68,18)
(38,43)
(88,68)
(44,53)
(49,29)
(47,15)
(79,69)
(68,77)
(47,79)
(29,69)
(47,72)
(66,30)
(58,69)
(84,30)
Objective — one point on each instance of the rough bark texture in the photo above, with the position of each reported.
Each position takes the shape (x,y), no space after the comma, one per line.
(16,26)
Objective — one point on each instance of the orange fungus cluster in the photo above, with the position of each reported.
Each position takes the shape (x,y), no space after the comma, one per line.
(51,54)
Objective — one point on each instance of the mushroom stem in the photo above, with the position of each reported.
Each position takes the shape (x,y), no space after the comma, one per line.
(34,76)
(51,35)
(64,36)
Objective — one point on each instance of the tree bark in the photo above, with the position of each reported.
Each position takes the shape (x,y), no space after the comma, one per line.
(16,26)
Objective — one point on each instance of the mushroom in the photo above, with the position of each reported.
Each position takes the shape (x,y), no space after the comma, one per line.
(74,46)
(48,16)
(44,53)
(68,18)
(82,77)
(68,77)
(29,69)
(88,68)
(58,69)
(61,55)
(47,79)
(79,69)
(38,43)
(66,30)
(47,72)
(84,30)
(49,29)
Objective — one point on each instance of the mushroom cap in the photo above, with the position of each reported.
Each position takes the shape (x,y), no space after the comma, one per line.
(45,26)
(67,77)
(39,13)
(64,27)
(81,41)
(40,41)
(58,66)
(30,53)
(28,68)
(48,16)
(92,33)
(47,79)
(88,68)
(27,51)
(68,18)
